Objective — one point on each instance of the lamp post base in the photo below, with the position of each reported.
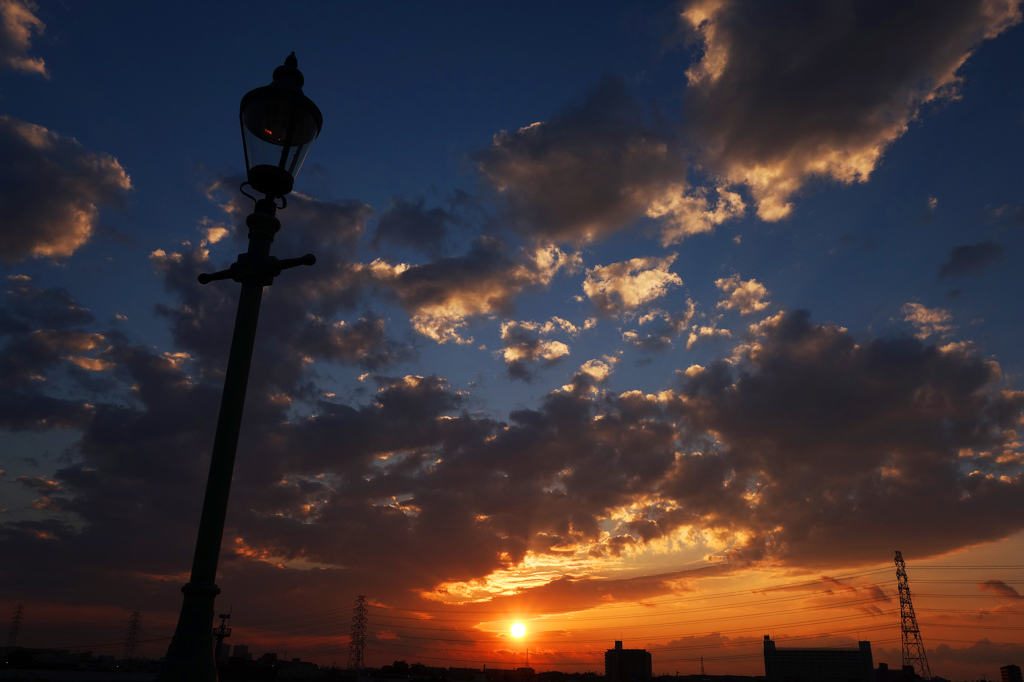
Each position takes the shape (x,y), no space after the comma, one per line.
(190,655)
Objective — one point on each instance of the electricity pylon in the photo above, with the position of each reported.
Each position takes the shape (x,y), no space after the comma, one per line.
(358,640)
(131,638)
(913,647)
(12,634)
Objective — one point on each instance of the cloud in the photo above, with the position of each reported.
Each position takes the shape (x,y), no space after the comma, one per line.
(1000,588)
(685,214)
(797,452)
(928,321)
(52,189)
(27,308)
(968,259)
(623,287)
(591,170)
(822,438)
(410,223)
(442,295)
(746,297)
(43,340)
(779,95)
(664,327)
(311,308)
(17,24)
(524,345)
(700,333)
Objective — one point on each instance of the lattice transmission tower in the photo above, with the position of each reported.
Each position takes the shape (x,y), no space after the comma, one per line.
(913,647)
(358,639)
(12,634)
(131,637)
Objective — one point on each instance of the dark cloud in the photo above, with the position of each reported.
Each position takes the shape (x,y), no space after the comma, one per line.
(968,259)
(52,189)
(39,484)
(659,328)
(27,308)
(410,223)
(306,314)
(983,652)
(1000,588)
(801,452)
(786,91)
(818,435)
(43,341)
(18,23)
(592,169)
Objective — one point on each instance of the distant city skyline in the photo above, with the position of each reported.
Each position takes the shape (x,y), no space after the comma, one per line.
(666,323)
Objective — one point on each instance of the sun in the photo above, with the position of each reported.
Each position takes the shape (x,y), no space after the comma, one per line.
(518,630)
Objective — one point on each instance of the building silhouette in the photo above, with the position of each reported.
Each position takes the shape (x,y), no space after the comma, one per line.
(627,665)
(1010,673)
(818,665)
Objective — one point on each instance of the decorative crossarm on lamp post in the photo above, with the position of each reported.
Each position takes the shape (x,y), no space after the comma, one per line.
(278,125)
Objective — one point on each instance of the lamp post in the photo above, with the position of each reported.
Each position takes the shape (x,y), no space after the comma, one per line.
(278,125)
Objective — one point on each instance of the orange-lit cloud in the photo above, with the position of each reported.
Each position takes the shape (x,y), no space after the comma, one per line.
(928,321)
(623,287)
(17,25)
(442,296)
(55,193)
(745,297)
(845,93)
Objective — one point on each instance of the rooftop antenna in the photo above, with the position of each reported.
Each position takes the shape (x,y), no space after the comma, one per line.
(220,633)
(913,647)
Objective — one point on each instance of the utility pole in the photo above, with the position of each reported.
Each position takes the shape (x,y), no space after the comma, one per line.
(913,647)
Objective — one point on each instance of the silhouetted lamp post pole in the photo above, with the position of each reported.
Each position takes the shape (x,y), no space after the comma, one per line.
(278,125)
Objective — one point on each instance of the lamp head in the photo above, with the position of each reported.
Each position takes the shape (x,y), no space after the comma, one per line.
(279,123)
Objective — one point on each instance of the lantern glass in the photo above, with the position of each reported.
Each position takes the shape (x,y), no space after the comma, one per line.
(278,126)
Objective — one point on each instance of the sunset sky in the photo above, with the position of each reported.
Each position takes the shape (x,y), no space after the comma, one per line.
(661,322)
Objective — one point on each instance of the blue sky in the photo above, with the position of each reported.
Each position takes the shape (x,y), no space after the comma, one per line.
(604,293)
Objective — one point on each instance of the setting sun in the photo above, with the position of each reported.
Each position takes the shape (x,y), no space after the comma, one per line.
(518,630)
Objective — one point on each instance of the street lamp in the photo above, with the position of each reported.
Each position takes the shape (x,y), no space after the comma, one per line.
(278,125)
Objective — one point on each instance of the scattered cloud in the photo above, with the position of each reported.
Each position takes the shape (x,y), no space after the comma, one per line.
(928,321)
(52,188)
(968,259)
(18,23)
(745,297)
(658,328)
(442,295)
(705,332)
(620,288)
(525,344)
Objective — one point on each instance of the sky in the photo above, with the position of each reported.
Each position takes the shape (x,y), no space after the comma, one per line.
(663,322)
